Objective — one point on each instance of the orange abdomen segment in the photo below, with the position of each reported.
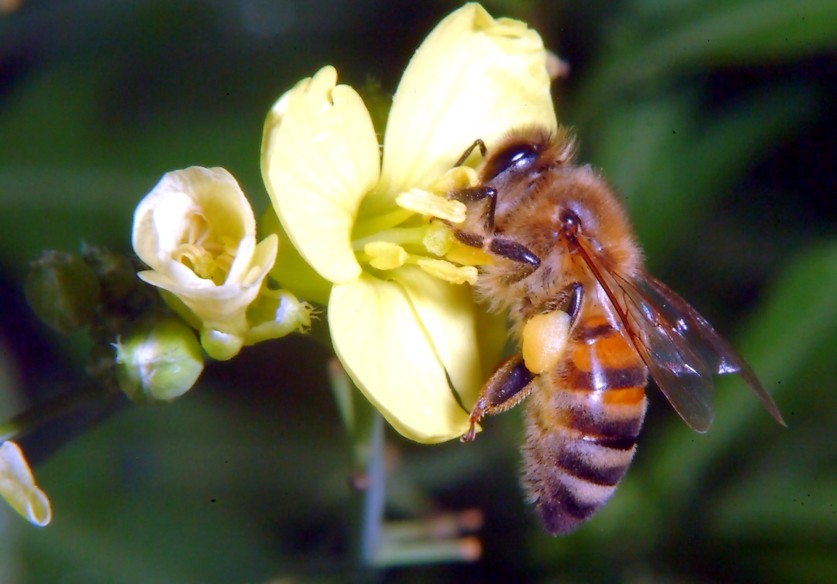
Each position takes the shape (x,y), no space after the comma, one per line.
(582,423)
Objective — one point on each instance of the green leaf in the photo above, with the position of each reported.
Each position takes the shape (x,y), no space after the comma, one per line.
(712,35)
(670,164)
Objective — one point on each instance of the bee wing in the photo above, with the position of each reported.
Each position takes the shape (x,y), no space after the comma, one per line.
(681,370)
(680,348)
(706,343)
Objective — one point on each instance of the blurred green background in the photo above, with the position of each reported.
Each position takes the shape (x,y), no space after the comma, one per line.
(714,118)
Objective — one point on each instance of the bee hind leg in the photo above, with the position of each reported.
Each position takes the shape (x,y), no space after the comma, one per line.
(507,387)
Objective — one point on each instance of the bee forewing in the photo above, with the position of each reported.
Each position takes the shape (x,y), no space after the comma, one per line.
(699,334)
(689,324)
(686,384)
(681,373)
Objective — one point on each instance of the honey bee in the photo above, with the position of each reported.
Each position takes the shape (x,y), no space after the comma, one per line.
(562,245)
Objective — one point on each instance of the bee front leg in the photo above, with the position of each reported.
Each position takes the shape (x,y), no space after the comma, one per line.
(476,194)
(489,242)
(477,144)
(500,246)
(507,387)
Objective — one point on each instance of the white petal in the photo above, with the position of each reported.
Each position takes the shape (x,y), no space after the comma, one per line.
(163,215)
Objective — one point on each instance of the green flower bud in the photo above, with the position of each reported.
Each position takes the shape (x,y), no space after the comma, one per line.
(158,363)
(275,314)
(219,345)
(62,290)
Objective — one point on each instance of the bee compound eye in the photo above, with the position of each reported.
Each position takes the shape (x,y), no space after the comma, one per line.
(515,157)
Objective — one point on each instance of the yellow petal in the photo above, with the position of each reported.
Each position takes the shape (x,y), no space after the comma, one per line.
(290,269)
(319,159)
(388,353)
(18,487)
(473,77)
(448,314)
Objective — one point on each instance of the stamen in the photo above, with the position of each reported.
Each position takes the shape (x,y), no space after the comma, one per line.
(455,179)
(426,203)
(210,260)
(438,238)
(384,255)
(198,228)
(449,272)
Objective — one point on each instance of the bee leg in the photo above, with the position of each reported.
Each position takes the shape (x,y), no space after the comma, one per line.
(569,300)
(510,249)
(500,246)
(494,244)
(476,194)
(507,387)
(477,144)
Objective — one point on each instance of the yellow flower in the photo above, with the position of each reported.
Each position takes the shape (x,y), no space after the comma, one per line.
(17,486)
(402,322)
(197,233)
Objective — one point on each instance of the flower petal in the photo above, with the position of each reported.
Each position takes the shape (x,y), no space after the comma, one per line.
(386,349)
(291,270)
(448,314)
(319,159)
(163,215)
(473,77)
(223,307)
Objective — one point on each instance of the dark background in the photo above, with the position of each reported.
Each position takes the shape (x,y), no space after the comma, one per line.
(715,119)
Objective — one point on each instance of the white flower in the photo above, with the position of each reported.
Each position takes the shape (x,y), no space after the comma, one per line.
(197,233)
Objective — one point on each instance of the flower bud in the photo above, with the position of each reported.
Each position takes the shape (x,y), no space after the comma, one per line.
(158,363)
(219,345)
(62,290)
(275,314)
(17,486)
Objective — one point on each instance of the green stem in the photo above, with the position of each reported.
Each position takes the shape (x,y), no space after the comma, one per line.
(374,496)
(43,412)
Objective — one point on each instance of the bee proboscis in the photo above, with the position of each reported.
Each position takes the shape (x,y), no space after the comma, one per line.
(561,242)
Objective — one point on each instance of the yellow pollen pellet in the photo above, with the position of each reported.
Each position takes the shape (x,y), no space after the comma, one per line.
(544,339)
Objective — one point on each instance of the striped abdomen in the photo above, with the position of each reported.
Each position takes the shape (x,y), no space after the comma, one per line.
(583,419)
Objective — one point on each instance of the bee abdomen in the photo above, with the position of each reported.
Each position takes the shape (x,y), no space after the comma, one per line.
(582,424)
(570,478)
